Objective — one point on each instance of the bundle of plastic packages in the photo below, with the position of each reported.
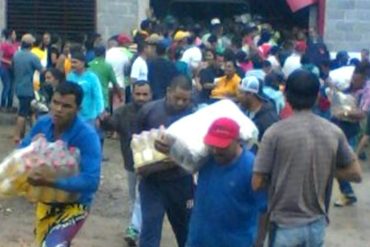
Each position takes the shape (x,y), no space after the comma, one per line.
(341,103)
(50,160)
(188,148)
(341,78)
(146,158)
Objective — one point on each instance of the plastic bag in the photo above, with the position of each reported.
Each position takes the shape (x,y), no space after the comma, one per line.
(51,160)
(146,158)
(341,103)
(189,150)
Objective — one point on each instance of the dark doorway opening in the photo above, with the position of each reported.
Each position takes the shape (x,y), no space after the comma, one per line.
(275,12)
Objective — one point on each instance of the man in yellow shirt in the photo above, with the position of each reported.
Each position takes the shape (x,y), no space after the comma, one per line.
(226,86)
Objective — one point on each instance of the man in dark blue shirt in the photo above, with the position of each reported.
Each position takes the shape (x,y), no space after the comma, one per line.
(161,71)
(57,224)
(168,191)
(226,209)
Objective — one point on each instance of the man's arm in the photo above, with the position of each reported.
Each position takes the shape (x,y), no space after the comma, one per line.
(113,123)
(209,85)
(37,65)
(355,115)
(261,200)
(348,167)
(351,173)
(259,181)
(264,161)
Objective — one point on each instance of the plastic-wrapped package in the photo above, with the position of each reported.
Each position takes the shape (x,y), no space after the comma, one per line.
(146,158)
(51,160)
(188,149)
(341,78)
(341,103)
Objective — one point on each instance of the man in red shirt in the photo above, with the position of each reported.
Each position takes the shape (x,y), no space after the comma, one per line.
(7,50)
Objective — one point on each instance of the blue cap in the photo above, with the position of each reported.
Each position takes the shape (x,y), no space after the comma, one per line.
(252,84)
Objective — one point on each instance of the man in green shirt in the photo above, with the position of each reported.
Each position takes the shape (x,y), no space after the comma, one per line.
(105,73)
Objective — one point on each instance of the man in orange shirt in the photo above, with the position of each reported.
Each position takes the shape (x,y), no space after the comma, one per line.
(226,86)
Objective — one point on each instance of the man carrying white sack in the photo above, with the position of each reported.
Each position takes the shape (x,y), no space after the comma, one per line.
(226,209)
(57,224)
(169,191)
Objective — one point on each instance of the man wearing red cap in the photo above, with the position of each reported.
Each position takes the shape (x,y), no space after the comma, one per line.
(225,209)
(119,56)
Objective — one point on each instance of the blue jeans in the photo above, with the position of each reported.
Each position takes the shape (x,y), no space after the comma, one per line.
(7,93)
(310,235)
(136,218)
(165,196)
(345,186)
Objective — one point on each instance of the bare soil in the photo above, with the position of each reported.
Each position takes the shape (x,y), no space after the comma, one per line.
(349,226)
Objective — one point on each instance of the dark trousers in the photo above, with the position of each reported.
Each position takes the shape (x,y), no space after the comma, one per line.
(7,92)
(158,197)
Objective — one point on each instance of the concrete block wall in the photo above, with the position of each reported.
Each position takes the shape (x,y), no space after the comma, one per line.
(347,25)
(117,16)
(2,14)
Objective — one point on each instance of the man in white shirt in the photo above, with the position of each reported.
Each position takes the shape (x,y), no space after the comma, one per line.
(293,62)
(139,69)
(192,55)
(119,59)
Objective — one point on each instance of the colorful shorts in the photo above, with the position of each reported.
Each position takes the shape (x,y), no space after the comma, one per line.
(58,225)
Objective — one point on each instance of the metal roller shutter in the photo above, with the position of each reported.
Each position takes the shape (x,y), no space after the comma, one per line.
(68,18)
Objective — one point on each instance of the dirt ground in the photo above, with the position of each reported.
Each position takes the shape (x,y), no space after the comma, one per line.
(349,226)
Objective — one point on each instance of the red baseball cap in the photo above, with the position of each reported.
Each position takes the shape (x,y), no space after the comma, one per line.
(222,133)
(300,46)
(124,39)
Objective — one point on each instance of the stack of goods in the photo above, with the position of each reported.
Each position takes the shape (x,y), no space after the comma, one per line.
(48,160)
(188,149)
(341,103)
(146,158)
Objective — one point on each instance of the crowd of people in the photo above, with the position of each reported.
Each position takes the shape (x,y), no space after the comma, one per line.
(166,70)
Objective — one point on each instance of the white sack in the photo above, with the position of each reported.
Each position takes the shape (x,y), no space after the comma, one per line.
(341,78)
(189,150)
